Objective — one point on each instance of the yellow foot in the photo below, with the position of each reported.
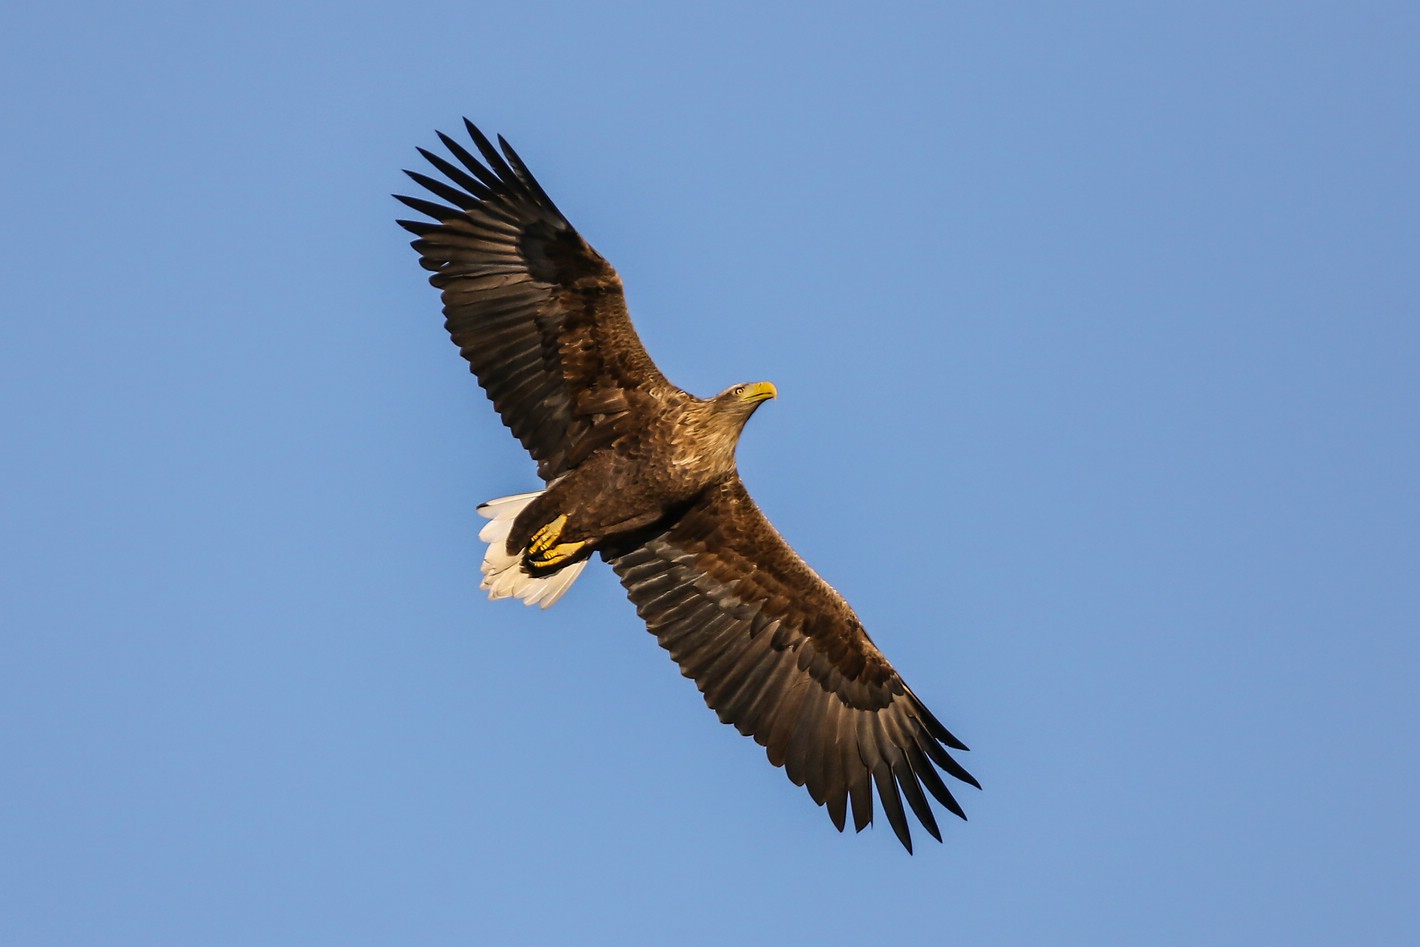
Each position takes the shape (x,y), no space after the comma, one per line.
(544,551)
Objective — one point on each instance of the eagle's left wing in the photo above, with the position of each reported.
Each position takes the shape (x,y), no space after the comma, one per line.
(537,312)
(778,653)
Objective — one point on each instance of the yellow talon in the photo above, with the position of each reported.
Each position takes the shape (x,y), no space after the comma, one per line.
(545,551)
(556,554)
(547,535)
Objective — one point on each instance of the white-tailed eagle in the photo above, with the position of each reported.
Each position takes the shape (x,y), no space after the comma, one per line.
(643,474)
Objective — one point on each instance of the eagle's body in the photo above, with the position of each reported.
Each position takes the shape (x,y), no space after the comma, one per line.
(684,445)
(644,474)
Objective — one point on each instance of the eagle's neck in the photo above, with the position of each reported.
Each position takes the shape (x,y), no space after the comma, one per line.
(706,434)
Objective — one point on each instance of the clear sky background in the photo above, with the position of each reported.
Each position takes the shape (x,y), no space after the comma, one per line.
(1096,332)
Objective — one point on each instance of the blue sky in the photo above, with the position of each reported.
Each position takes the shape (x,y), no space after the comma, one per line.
(1096,333)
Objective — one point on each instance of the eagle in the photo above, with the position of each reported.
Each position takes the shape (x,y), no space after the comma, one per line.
(643,474)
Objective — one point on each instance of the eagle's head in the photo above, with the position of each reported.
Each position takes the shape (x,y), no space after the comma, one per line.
(744,399)
(715,424)
(735,404)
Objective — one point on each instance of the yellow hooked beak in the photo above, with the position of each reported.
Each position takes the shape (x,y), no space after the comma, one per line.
(759,391)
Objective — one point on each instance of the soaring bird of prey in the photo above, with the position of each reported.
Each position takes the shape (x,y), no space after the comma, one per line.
(643,474)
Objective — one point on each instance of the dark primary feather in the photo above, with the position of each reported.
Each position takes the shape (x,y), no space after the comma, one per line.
(539,315)
(781,656)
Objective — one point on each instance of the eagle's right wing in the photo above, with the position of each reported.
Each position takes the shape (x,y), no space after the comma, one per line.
(778,653)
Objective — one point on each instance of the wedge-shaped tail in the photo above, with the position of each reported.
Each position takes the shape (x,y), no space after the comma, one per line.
(503,574)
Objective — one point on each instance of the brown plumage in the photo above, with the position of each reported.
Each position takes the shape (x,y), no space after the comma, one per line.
(644,474)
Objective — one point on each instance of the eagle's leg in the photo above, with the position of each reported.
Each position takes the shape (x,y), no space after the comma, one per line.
(544,551)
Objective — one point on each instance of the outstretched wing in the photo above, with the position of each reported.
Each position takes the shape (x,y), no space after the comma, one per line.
(779,654)
(538,313)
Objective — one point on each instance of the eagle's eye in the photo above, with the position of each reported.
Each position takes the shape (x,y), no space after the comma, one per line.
(739,390)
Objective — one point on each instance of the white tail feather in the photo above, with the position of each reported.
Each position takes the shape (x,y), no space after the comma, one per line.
(503,575)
